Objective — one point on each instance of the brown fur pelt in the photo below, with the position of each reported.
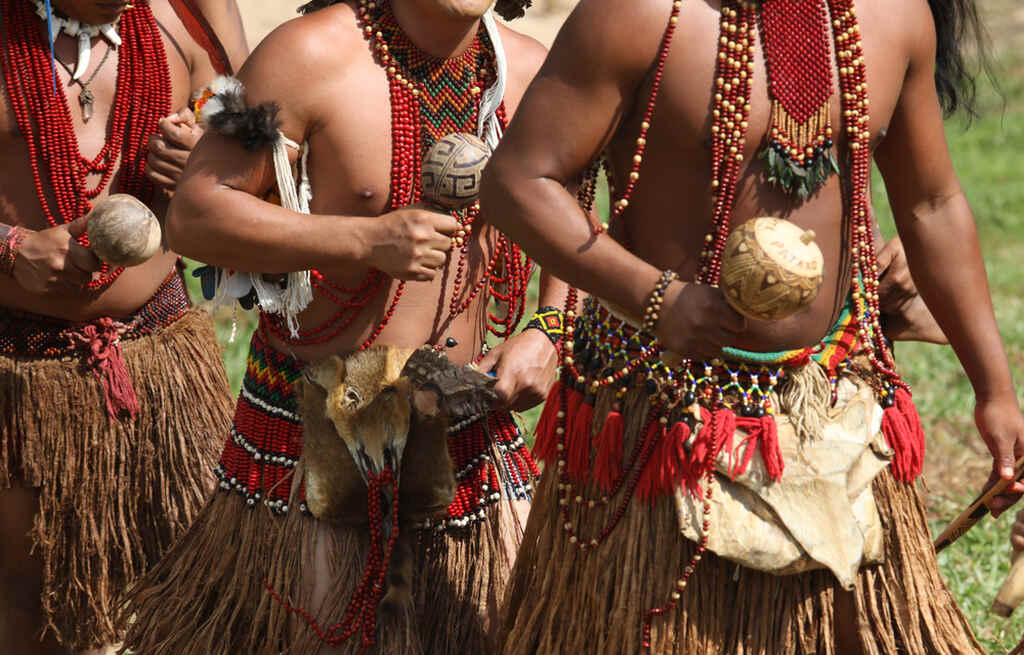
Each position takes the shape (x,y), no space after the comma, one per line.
(563,601)
(385,407)
(112,495)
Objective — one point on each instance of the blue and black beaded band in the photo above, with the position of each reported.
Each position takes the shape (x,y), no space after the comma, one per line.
(550,321)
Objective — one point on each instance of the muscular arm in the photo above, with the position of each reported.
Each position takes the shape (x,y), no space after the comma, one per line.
(936,225)
(588,82)
(218,215)
(941,242)
(226,21)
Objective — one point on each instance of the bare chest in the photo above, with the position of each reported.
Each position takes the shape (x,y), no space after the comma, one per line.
(87,105)
(679,146)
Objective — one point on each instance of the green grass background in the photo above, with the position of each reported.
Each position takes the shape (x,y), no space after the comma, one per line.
(988,161)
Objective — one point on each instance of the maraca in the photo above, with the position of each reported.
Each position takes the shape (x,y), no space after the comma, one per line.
(452,169)
(123,231)
(770,269)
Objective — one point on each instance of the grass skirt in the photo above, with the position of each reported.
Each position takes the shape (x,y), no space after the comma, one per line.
(211,594)
(113,495)
(562,601)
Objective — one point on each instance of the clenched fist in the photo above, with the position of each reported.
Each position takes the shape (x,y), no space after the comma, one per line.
(411,243)
(51,260)
(696,321)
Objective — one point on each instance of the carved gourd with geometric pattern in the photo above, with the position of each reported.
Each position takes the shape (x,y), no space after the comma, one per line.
(771,269)
(452,169)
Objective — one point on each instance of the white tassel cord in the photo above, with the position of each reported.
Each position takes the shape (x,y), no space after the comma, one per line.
(488,125)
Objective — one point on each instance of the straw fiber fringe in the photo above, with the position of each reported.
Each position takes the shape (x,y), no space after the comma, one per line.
(209,594)
(804,397)
(113,495)
(562,602)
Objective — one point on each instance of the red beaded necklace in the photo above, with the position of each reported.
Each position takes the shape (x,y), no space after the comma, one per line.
(142,97)
(430,98)
(730,112)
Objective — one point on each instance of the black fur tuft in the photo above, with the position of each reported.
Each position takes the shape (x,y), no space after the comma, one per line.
(511,9)
(256,127)
(313,5)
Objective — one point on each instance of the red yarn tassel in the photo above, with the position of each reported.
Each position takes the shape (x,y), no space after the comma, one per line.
(608,464)
(573,400)
(724,422)
(898,435)
(580,443)
(697,461)
(545,447)
(771,454)
(905,435)
(102,347)
(118,386)
(650,479)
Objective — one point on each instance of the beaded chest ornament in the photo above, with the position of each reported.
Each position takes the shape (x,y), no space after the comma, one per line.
(430,98)
(795,40)
(142,97)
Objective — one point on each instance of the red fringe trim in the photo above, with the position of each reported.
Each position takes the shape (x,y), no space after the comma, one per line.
(608,464)
(545,447)
(902,428)
(761,431)
(580,442)
(662,465)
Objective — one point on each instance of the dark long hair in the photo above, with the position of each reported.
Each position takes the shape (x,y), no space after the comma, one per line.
(961,37)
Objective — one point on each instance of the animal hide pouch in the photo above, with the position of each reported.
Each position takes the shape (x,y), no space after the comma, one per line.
(384,408)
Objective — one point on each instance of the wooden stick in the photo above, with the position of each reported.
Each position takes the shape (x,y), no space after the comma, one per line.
(1012,592)
(976,510)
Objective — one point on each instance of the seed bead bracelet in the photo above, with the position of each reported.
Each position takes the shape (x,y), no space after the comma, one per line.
(652,311)
(9,246)
(550,321)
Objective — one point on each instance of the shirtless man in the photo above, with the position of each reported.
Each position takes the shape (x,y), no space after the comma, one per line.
(600,571)
(95,481)
(366,125)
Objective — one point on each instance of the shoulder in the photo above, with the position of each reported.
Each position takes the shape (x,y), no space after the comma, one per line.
(525,53)
(525,56)
(288,63)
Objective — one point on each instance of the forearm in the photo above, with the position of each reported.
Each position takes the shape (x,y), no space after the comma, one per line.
(524,208)
(233,229)
(552,291)
(941,243)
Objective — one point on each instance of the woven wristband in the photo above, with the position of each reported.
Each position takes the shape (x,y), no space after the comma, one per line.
(550,321)
(9,247)
(652,311)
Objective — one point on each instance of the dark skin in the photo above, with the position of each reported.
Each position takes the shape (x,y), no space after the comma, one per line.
(218,215)
(594,81)
(51,268)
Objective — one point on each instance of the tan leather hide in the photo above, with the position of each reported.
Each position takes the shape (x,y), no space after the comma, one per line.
(821,514)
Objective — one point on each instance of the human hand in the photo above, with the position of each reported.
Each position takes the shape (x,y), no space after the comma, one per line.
(1017,533)
(411,243)
(696,321)
(169,150)
(51,260)
(526,367)
(906,317)
(1001,426)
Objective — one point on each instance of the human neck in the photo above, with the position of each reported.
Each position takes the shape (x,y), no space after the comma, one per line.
(432,30)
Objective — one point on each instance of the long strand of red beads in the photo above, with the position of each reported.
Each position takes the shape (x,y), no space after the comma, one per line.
(426,104)
(731,111)
(141,98)
(620,205)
